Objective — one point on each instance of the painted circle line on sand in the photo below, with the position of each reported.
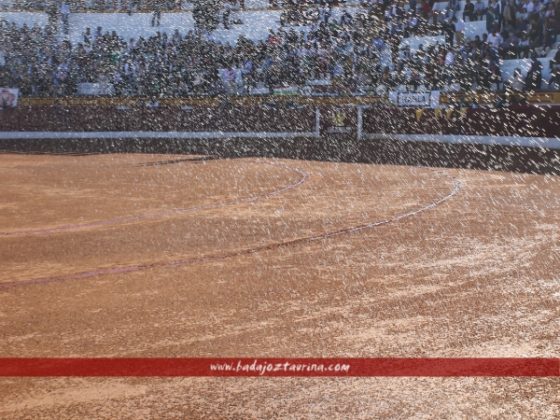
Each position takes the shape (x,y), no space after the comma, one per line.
(123,269)
(159,215)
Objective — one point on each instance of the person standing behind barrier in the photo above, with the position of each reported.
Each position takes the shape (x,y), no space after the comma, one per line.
(533,79)
(226,15)
(469,11)
(132,6)
(65,16)
(554,82)
(517,82)
(156,17)
(52,15)
(459,31)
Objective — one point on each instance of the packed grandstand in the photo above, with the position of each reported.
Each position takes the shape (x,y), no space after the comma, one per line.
(177,49)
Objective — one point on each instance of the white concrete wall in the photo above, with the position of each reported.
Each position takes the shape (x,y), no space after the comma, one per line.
(25,18)
(133,26)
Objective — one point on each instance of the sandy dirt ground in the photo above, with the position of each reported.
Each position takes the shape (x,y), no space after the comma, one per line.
(168,256)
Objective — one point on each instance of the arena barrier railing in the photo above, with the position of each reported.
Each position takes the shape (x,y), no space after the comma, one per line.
(223,121)
(527,126)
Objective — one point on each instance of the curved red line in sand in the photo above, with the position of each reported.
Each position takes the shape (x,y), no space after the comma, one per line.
(242,252)
(158,215)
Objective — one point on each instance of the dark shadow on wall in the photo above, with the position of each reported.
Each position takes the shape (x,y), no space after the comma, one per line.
(334,148)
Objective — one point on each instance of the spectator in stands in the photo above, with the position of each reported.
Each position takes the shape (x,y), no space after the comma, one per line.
(550,29)
(156,15)
(555,62)
(508,16)
(496,6)
(554,82)
(459,31)
(523,48)
(132,6)
(65,17)
(533,79)
(517,83)
(469,13)
(535,31)
(427,9)
(479,10)
(491,20)
(226,15)
(510,45)
(495,39)
(448,28)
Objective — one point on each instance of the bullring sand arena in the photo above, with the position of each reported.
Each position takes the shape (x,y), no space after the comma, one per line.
(159,255)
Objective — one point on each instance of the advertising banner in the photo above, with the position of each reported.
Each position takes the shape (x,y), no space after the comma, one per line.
(421,99)
(417,99)
(96,89)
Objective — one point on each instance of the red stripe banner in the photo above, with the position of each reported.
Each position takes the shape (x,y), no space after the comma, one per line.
(280,367)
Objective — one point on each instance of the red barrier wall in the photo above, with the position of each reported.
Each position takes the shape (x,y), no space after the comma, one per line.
(221,118)
(531,121)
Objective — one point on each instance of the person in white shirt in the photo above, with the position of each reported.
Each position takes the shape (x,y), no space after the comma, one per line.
(459,30)
(449,58)
(517,81)
(495,39)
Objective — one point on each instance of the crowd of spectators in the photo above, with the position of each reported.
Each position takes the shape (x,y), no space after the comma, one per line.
(522,25)
(353,53)
(129,6)
(98,5)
